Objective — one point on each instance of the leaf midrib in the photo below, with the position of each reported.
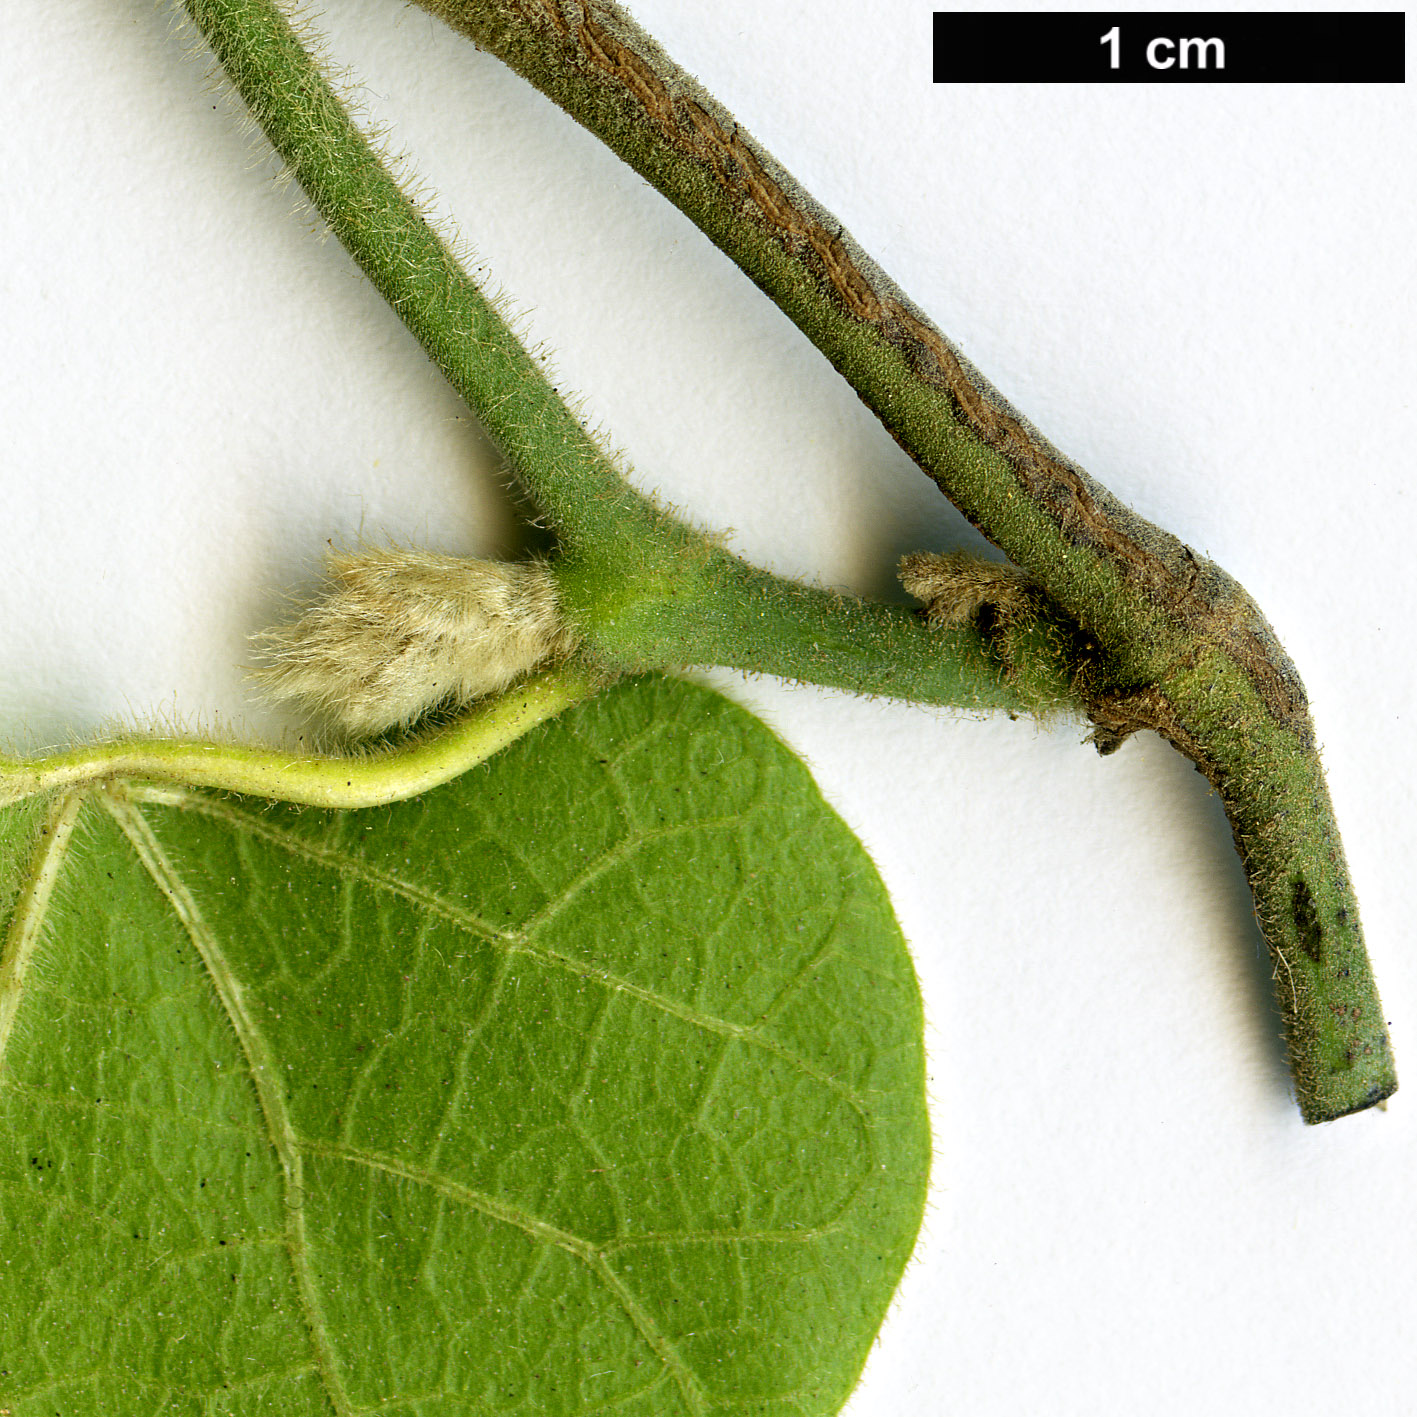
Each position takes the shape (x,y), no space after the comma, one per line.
(288,1145)
(260,1064)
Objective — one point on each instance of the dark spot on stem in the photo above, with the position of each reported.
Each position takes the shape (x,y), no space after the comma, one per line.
(1306,919)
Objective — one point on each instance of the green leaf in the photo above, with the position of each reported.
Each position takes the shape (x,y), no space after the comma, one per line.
(592,1082)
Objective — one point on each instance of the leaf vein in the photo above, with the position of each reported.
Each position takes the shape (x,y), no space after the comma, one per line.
(615,856)
(539,1229)
(262,1067)
(64,1202)
(347,866)
(805,1236)
(123,1109)
(131,1378)
(444,1185)
(471,1036)
(31,909)
(520,941)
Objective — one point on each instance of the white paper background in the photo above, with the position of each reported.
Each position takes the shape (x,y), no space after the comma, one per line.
(1204,294)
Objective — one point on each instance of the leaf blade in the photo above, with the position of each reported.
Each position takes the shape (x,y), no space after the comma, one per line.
(591,1082)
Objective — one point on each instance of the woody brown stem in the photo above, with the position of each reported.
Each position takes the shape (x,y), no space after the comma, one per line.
(1182,648)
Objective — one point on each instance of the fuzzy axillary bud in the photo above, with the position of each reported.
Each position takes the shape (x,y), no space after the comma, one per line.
(955,588)
(402,631)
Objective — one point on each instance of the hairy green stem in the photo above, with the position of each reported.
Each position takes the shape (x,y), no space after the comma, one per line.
(1186,650)
(735,615)
(644,590)
(314,781)
(592,509)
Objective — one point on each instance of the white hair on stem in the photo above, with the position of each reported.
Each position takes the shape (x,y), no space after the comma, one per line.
(403,631)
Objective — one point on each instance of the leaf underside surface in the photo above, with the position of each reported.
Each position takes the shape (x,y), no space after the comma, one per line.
(590,1083)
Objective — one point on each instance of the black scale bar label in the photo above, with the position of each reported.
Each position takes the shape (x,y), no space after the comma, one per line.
(1195,47)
